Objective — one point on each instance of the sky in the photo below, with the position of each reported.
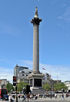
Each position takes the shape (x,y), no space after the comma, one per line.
(16,36)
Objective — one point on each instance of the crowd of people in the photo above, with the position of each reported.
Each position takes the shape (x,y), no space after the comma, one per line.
(37,96)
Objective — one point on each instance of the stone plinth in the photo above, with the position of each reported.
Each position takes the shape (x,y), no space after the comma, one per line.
(35,80)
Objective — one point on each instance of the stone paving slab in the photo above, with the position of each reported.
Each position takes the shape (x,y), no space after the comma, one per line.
(45,100)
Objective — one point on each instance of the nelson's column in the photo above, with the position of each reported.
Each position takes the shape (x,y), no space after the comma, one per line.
(35,78)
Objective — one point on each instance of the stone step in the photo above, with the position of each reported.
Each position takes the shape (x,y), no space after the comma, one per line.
(38,91)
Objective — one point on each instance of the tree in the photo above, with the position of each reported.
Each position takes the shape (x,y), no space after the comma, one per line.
(46,86)
(21,85)
(56,86)
(60,86)
(9,87)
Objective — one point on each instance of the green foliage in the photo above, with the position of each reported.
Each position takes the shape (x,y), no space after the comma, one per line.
(56,86)
(21,85)
(46,86)
(9,87)
(59,86)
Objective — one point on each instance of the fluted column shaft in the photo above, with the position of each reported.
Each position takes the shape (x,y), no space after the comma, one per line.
(35,48)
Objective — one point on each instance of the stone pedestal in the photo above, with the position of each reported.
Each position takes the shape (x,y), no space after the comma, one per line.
(35,80)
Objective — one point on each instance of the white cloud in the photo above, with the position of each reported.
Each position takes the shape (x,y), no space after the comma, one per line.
(26,63)
(57,71)
(66,15)
(6,73)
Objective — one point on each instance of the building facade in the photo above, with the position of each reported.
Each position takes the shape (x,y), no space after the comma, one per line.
(67,83)
(3,83)
(47,78)
(21,73)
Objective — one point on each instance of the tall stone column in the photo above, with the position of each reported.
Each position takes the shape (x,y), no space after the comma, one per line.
(36,21)
(36,77)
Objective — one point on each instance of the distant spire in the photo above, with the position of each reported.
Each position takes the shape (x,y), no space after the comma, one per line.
(36,13)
